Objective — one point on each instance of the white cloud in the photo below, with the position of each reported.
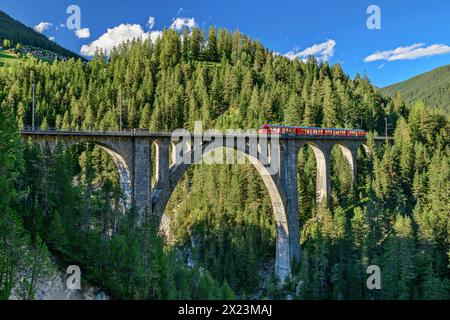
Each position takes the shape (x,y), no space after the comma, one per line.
(51,38)
(42,26)
(322,51)
(115,36)
(151,22)
(83,33)
(417,50)
(181,23)
(381,66)
(153,35)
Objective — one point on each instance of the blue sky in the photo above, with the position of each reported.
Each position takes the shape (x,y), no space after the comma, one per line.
(334,30)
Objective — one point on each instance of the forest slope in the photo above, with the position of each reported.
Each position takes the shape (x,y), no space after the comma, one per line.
(17,32)
(432,87)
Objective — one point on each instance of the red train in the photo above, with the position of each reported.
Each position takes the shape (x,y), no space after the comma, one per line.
(311,131)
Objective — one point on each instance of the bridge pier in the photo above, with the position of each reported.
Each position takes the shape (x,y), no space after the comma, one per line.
(142,176)
(288,182)
(162,189)
(162,163)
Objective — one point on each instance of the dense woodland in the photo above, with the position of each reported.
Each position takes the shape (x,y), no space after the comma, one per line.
(67,203)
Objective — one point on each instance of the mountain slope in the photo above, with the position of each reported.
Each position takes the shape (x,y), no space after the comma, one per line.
(432,87)
(17,32)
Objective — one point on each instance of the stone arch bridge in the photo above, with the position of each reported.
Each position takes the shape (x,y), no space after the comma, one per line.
(131,152)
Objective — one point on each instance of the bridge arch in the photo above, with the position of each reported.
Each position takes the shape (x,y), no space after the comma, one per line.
(119,157)
(322,153)
(322,150)
(350,151)
(162,193)
(123,169)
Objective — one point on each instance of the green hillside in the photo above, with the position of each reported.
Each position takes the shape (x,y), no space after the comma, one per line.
(7,58)
(17,32)
(432,87)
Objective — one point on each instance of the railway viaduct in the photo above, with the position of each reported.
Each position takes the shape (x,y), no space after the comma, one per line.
(275,159)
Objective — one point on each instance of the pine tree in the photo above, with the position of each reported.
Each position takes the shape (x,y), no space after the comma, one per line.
(195,44)
(330,108)
(399,275)
(212,44)
(145,117)
(293,114)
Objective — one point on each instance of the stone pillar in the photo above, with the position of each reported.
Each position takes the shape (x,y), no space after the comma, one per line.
(289,184)
(142,175)
(322,151)
(162,163)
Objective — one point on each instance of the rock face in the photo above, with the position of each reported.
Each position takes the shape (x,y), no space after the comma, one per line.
(54,287)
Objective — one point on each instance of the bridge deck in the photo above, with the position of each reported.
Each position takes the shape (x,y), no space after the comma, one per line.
(142,133)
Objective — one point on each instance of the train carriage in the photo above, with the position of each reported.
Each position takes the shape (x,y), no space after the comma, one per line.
(310,131)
